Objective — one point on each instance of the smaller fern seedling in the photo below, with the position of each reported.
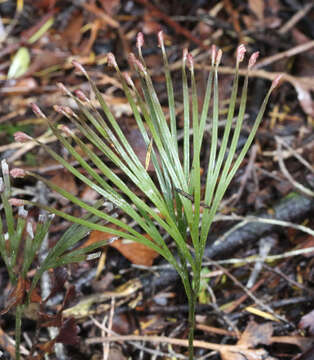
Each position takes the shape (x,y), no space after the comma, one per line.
(20,246)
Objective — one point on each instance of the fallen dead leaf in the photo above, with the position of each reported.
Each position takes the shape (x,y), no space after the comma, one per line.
(66,181)
(257,7)
(255,334)
(135,252)
(307,322)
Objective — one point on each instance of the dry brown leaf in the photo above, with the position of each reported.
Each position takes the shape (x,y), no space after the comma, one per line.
(110,6)
(66,181)
(150,26)
(71,35)
(135,252)
(17,295)
(257,7)
(307,322)
(258,354)
(20,86)
(255,334)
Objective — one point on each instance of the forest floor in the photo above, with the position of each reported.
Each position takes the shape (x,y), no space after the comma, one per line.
(256,298)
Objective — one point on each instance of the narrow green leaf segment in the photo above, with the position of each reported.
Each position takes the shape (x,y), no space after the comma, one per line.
(161,206)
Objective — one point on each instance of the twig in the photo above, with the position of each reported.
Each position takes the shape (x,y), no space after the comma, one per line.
(269,258)
(295,154)
(285,54)
(250,219)
(295,18)
(286,173)
(290,281)
(247,291)
(167,19)
(138,346)
(106,346)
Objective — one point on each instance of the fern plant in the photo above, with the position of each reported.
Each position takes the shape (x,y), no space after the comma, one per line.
(20,245)
(165,206)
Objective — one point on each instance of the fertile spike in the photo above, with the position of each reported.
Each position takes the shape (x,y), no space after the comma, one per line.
(218,57)
(139,40)
(65,129)
(140,66)
(184,54)
(190,61)
(62,87)
(80,94)
(213,53)
(79,67)
(37,111)
(58,109)
(276,81)
(21,137)
(112,60)
(253,59)
(17,173)
(161,38)
(69,111)
(128,79)
(132,59)
(240,53)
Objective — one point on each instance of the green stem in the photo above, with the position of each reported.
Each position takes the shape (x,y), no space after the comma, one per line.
(18,328)
(192,290)
(192,305)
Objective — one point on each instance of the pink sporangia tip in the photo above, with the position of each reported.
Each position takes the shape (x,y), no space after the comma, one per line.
(139,40)
(140,66)
(128,79)
(160,36)
(16,202)
(80,94)
(62,87)
(21,137)
(213,53)
(69,111)
(276,81)
(79,67)
(37,111)
(112,60)
(132,58)
(57,108)
(65,129)
(190,61)
(218,57)
(240,53)
(184,54)
(17,173)
(253,59)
